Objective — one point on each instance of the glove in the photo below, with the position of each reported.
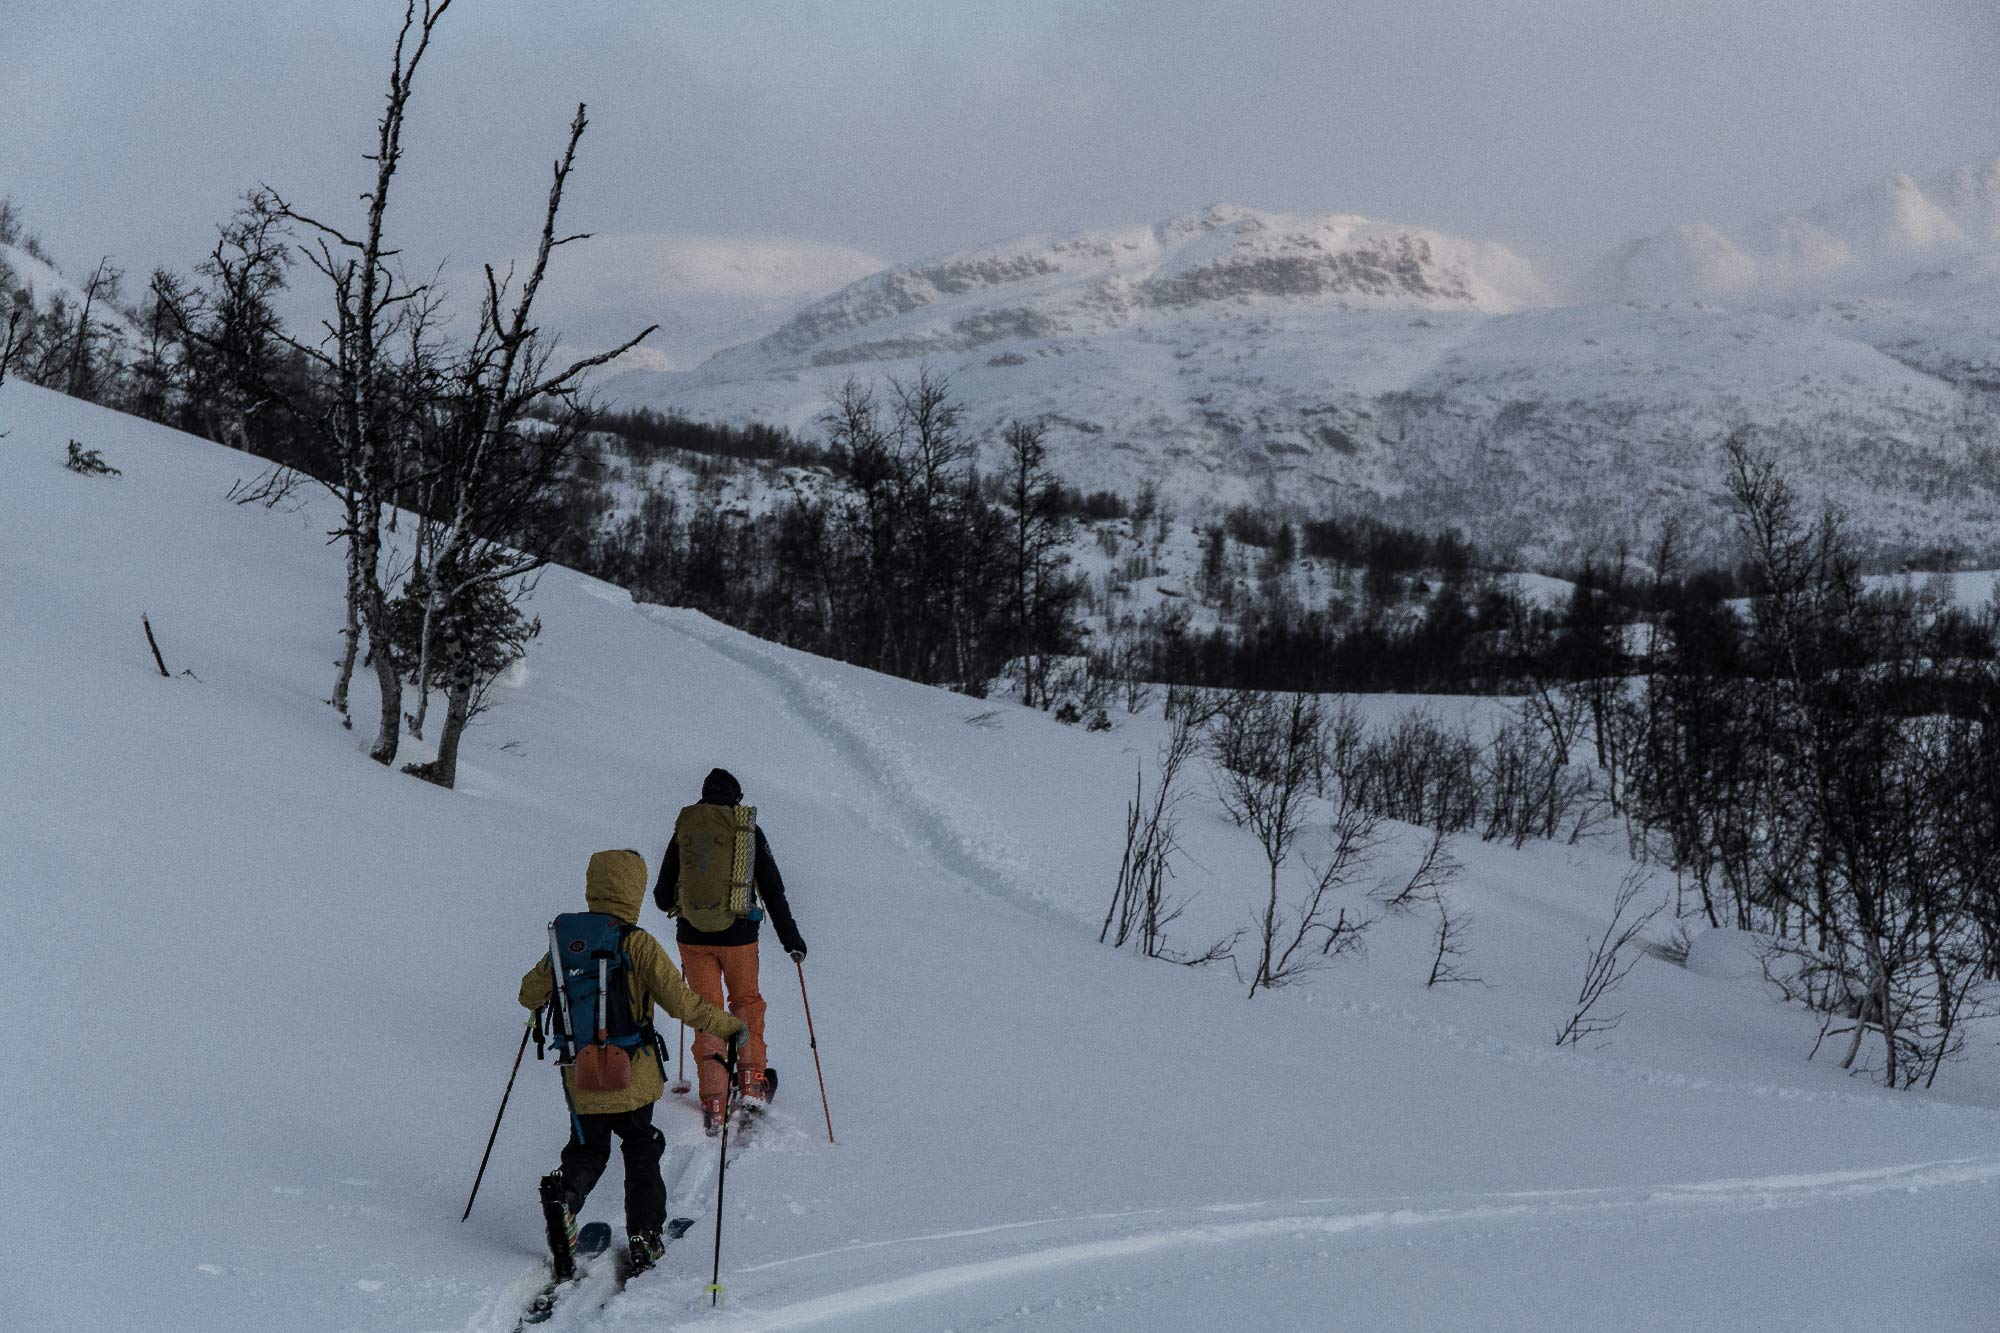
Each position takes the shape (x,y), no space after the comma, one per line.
(799,954)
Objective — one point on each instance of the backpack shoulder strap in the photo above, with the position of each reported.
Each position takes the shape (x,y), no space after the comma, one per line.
(642,1021)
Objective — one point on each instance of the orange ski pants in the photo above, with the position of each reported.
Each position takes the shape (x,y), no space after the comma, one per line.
(711,969)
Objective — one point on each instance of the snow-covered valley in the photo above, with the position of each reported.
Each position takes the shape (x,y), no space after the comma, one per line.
(263,1005)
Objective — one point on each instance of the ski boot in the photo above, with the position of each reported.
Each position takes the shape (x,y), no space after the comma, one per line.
(560,1221)
(758,1087)
(713,1112)
(644,1251)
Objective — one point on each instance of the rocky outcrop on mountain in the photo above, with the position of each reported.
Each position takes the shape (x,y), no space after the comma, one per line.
(1096,282)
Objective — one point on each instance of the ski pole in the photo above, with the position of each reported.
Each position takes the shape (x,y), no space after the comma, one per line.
(722,1175)
(813,1037)
(681,1079)
(525,1034)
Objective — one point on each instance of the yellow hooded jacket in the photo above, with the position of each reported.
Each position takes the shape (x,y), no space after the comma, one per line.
(616,883)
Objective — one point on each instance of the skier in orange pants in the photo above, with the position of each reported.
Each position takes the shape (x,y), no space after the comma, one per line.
(718,879)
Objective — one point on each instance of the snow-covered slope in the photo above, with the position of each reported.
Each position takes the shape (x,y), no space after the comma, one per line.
(44,285)
(37,277)
(261,1008)
(1095,282)
(1882,233)
(1235,356)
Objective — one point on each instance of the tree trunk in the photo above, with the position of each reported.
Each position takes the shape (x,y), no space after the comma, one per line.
(352,634)
(389,731)
(1860,1029)
(424,661)
(375,617)
(443,770)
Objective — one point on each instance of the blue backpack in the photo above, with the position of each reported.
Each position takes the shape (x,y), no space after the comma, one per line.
(595,1029)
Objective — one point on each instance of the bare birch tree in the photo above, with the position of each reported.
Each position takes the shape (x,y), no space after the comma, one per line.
(374,313)
(491,471)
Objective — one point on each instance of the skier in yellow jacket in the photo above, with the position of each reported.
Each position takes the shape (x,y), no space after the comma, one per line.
(615,884)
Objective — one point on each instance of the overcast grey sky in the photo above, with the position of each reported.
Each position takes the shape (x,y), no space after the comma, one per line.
(909,127)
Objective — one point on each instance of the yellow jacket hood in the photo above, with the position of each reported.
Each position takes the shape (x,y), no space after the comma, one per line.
(616,883)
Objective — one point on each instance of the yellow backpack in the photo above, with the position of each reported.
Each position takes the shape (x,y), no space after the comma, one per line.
(718,861)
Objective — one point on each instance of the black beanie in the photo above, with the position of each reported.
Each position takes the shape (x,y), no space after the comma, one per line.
(720,787)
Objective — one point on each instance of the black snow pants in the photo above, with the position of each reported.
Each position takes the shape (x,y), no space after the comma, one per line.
(584,1161)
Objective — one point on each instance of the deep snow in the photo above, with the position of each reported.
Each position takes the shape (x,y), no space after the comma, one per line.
(262,1005)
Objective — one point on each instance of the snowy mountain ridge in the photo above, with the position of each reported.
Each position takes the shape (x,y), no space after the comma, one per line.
(1878,234)
(1094,282)
(1229,356)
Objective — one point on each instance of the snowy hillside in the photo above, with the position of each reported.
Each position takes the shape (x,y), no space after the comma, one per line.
(1044,286)
(45,286)
(262,1005)
(1882,233)
(1236,356)
(37,277)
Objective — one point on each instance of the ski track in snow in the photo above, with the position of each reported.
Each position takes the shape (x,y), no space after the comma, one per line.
(903,803)
(689,1172)
(947,834)
(1315,1221)
(986,859)
(1449,1034)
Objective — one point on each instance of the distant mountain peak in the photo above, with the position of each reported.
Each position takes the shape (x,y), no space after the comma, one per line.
(1886,230)
(1223,256)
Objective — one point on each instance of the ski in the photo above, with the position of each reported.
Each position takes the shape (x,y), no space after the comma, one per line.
(742,1119)
(593,1240)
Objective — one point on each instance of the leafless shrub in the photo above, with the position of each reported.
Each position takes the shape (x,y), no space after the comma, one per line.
(1527,788)
(1141,906)
(1197,705)
(12,339)
(1293,943)
(1448,953)
(272,488)
(1611,958)
(1558,709)
(1425,886)
(1125,663)
(1420,773)
(88,462)
(1267,749)
(1079,691)
(1345,735)
(1434,869)
(1675,948)
(1818,767)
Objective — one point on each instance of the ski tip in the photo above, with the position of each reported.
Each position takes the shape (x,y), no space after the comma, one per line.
(679,1227)
(594,1238)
